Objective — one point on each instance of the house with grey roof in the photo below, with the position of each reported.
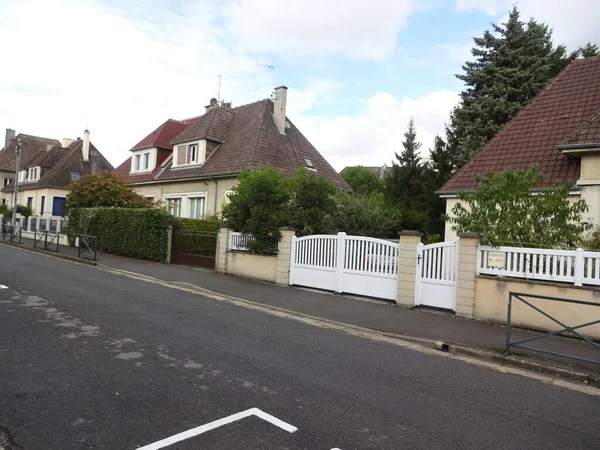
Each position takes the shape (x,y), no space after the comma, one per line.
(192,165)
(47,167)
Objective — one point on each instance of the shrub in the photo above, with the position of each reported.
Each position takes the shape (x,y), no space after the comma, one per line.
(208,225)
(136,233)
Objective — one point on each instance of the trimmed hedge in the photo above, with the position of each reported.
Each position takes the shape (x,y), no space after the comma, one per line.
(210,225)
(136,233)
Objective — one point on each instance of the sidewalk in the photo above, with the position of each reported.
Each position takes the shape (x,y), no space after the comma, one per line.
(379,316)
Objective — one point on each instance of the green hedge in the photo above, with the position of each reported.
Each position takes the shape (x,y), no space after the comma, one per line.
(210,225)
(136,233)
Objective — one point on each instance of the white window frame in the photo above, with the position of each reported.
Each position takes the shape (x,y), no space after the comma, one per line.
(174,198)
(186,203)
(143,161)
(227,200)
(33,174)
(146,161)
(196,198)
(137,159)
(23,175)
(195,153)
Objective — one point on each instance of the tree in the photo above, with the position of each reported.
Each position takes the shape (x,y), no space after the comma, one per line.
(588,50)
(259,206)
(312,205)
(104,189)
(361,180)
(504,211)
(512,65)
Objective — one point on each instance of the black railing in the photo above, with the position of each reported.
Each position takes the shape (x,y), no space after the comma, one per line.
(87,246)
(195,242)
(565,328)
(46,240)
(11,233)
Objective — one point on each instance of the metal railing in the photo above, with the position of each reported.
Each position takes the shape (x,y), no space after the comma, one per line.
(46,240)
(11,233)
(565,328)
(239,241)
(87,246)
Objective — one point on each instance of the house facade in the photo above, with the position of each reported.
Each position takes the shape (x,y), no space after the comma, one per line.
(559,130)
(192,165)
(47,167)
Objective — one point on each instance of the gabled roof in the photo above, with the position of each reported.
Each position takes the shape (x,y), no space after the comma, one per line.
(251,141)
(162,136)
(212,126)
(46,158)
(59,176)
(31,146)
(534,135)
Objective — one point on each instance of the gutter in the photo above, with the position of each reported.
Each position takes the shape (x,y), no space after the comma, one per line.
(454,194)
(578,146)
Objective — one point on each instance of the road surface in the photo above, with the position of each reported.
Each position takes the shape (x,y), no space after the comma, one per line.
(93,360)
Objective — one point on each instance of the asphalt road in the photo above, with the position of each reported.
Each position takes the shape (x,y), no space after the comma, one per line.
(93,360)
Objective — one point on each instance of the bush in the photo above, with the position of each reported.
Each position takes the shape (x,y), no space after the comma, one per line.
(209,225)
(24,210)
(136,233)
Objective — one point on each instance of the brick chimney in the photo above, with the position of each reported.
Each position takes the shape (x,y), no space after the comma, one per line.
(85,149)
(279,107)
(213,103)
(10,135)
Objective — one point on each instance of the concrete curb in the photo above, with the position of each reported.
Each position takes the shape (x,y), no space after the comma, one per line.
(54,254)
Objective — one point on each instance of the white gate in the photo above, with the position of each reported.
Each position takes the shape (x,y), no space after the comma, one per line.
(352,264)
(437,268)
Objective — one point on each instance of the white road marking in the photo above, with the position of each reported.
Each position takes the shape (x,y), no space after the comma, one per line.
(219,423)
(3,286)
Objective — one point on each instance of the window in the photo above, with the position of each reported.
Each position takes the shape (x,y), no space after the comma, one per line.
(146,161)
(227,194)
(33,174)
(196,208)
(137,162)
(74,176)
(309,165)
(7,181)
(192,154)
(23,174)
(188,154)
(174,206)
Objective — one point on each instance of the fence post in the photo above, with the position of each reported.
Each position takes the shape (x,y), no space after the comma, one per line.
(579,263)
(467,251)
(222,248)
(407,267)
(169,243)
(292,259)
(58,224)
(284,256)
(339,264)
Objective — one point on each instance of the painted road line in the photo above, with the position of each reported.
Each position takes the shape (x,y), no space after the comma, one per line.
(219,423)
(2,286)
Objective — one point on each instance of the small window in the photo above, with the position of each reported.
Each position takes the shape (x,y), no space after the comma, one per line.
(181,155)
(227,196)
(192,154)
(309,165)
(197,208)
(137,162)
(75,176)
(33,174)
(146,161)
(174,206)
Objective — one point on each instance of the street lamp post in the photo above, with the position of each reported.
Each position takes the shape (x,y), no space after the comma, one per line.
(16,183)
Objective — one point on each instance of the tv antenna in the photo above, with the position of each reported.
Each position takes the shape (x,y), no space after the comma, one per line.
(271,67)
(219,88)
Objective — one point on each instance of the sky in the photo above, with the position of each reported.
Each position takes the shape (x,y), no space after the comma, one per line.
(357,70)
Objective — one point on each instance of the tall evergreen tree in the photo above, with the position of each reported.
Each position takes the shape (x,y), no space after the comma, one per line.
(512,64)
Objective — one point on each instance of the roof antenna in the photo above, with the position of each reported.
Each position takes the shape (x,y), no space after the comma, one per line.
(219,88)
(271,69)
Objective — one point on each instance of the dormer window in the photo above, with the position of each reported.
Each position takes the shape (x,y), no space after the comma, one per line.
(309,165)
(143,160)
(188,154)
(192,154)
(23,176)
(33,174)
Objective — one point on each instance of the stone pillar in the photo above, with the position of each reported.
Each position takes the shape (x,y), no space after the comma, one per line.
(284,256)
(407,267)
(222,247)
(468,246)
(169,243)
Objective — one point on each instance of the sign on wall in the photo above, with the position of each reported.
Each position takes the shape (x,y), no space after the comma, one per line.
(496,260)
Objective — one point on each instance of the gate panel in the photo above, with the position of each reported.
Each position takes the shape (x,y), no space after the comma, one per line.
(194,248)
(437,269)
(313,267)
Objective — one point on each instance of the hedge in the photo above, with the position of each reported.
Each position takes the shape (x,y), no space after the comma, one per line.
(136,233)
(210,225)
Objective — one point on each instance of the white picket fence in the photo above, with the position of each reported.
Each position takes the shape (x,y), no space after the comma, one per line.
(239,241)
(353,264)
(571,266)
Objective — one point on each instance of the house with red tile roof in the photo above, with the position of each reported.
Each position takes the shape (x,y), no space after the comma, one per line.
(192,165)
(47,167)
(559,130)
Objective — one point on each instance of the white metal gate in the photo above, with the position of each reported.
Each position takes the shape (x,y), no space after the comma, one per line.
(341,263)
(437,268)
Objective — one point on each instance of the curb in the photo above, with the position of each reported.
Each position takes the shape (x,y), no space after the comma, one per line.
(54,254)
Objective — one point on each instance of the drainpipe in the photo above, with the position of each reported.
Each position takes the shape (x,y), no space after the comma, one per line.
(216,194)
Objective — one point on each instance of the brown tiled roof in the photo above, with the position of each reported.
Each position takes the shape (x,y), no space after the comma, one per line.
(46,158)
(533,136)
(588,133)
(59,176)
(162,136)
(31,146)
(212,126)
(252,141)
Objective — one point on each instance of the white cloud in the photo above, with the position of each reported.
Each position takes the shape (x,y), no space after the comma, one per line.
(575,22)
(371,137)
(361,29)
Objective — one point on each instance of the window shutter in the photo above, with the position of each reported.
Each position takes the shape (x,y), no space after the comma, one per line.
(181,155)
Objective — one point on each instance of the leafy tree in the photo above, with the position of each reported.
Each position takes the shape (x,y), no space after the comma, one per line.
(512,65)
(504,211)
(104,189)
(312,204)
(361,180)
(259,206)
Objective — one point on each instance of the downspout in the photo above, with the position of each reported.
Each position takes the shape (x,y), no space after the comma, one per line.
(216,180)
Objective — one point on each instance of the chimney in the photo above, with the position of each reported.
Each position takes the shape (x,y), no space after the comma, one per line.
(10,135)
(213,102)
(279,108)
(66,142)
(85,150)
(49,147)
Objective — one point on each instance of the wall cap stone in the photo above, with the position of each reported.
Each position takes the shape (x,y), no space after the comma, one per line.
(287,228)
(469,235)
(410,233)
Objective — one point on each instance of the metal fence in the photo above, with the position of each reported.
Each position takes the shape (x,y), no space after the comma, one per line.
(239,241)
(526,300)
(46,240)
(87,246)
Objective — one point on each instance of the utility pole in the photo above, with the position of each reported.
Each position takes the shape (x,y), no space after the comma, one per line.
(16,183)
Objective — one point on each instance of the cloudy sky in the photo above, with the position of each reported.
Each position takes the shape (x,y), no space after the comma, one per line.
(357,69)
